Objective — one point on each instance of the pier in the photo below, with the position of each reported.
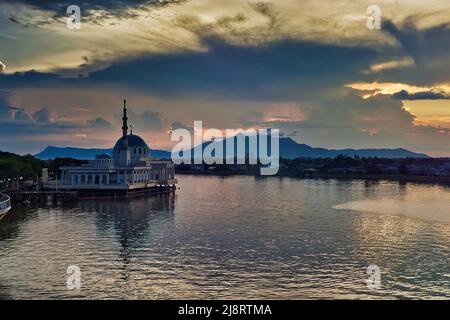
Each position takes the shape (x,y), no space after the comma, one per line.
(44,196)
(59,196)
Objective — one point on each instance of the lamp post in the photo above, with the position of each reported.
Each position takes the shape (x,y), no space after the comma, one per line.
(17,182)
(37,180)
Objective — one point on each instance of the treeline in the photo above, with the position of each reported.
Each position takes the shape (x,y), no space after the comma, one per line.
(369,165)
(342,161)
(340,164)
(13,166)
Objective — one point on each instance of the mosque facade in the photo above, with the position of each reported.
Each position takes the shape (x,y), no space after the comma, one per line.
(130,169)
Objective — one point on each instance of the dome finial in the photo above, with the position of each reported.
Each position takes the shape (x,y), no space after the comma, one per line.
(131,129)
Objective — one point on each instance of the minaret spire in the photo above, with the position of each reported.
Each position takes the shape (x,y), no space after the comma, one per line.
(124,120)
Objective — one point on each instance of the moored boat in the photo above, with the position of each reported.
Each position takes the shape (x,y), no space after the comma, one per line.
(5,205)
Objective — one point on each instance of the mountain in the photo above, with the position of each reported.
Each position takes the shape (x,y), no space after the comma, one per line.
(86,154)
(289,149)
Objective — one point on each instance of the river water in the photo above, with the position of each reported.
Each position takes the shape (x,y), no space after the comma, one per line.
(235,238)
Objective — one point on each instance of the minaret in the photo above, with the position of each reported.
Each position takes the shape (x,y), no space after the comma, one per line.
(124,120)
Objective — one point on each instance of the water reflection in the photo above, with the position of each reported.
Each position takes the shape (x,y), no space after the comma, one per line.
(131,221)
(234,237)
(12,222)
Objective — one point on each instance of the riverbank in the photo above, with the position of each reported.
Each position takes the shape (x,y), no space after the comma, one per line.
(347,176)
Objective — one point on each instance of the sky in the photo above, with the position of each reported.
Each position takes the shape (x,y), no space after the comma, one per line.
(311,68)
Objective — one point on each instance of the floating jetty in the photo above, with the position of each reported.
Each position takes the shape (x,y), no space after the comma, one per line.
(44,196)
(58,196)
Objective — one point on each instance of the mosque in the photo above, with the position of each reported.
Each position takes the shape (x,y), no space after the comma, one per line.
(130,170)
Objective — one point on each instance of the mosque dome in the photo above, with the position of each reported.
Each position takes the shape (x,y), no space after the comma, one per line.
(132,144)
(132,140)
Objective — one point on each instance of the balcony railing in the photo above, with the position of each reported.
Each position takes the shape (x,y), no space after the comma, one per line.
(5,204)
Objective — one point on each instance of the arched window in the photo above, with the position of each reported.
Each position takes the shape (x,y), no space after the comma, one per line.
(83,179)
(140,151)
(104,179)
(75,179)
(89,180)
(97,179)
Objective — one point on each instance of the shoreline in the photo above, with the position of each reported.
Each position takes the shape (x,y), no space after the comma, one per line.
(341,176)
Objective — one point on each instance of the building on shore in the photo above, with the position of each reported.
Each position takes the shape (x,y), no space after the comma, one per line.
(130,170)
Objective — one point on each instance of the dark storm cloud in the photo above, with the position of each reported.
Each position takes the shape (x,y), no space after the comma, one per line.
(429,48)
(421,45)
(280,70)
(426,95)
(31,77)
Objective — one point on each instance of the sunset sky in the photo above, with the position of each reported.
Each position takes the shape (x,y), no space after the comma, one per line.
(310,68)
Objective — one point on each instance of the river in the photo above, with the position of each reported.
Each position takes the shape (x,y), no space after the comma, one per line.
(235,237)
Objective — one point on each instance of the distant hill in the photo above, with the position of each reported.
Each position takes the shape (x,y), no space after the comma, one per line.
(289,149)
(86,154)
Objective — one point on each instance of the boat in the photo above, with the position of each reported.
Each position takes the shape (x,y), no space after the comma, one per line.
(5,205)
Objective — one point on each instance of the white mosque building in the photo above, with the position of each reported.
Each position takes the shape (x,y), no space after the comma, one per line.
(130,169)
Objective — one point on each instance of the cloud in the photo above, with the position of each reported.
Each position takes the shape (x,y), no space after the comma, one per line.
(346,119)
(300,69)
(152,119)
(429,48)
(286,70)
(147,120)
(113,31)
(99,122)
(424,46)
(425,95)
(5,109)
(179,125)
(42,116)
(99,8)
(21,114)
(395,64)
(235,63)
